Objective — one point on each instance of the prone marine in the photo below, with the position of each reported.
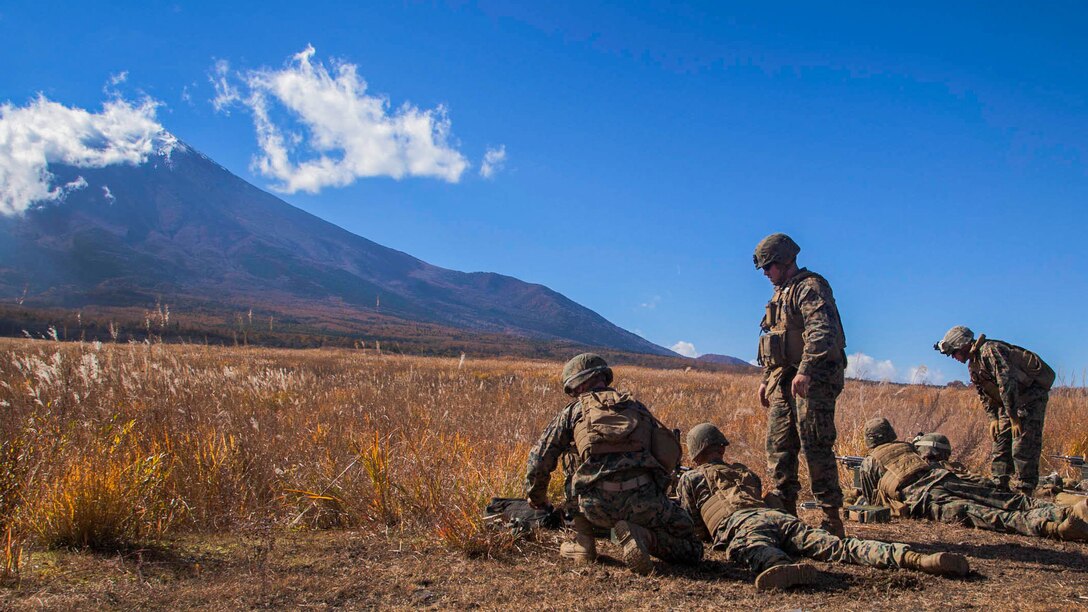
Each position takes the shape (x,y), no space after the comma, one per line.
(896,476)
(726,501)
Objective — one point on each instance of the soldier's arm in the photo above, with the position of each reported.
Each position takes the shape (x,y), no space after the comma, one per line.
(544,457)
(995,360)
(689,500)
(820,324)
(870,478)
(764,326)
(992,408)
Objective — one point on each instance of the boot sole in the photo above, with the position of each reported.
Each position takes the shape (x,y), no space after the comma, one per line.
(578,557)
(786,576)
(635,555)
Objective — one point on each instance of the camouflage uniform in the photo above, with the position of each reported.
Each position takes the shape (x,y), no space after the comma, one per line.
(645,505)
(940,495)
(760,537)
(804,422)
(1005,389)
(936,450)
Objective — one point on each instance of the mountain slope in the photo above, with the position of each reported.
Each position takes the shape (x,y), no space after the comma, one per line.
(185,230)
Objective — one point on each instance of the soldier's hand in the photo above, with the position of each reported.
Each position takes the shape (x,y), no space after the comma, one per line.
(995,429)
(535,505)
(763,401)
(800,385)
(1017,430)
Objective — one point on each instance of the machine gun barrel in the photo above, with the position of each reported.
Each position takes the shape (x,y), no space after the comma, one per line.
(854,464)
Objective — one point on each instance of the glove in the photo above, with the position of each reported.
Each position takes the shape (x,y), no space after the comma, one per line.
(995,428)
(1017,430)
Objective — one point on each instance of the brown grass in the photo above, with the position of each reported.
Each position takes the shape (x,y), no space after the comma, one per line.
(110,445)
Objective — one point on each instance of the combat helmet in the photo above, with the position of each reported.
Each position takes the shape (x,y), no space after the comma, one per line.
(583,367)
(776,248)
(702,437)
(933,446)
(879,431)
(956,338)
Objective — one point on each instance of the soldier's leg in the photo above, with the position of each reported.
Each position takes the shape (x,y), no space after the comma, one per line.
(1001,462)
(1029,446)
(816,415)
(818,544)
(601,508)
(1037,522)
(988,494)
(756,543)
(673,529)
(783,443)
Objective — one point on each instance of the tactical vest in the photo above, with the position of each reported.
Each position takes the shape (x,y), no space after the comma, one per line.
(728,494)
(782,343)
(902,465)
(612,423)
(1026,368)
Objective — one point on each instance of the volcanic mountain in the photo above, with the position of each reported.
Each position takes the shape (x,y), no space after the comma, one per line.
(182,230)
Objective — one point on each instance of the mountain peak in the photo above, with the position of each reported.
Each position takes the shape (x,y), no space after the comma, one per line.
(180,227)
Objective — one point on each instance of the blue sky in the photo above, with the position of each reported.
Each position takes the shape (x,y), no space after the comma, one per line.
(931,160)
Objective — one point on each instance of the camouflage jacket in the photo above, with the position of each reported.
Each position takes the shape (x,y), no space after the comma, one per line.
(996,378)
(694,491)
(809,295)
(558,440)
(915,495)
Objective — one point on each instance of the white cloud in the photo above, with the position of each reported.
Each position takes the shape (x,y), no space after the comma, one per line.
(106,193)
(494,160)
(924,375)
(45,132)
(652,303)
(226,93)
(686,349)
(320,128)
(117,79)
(860,365)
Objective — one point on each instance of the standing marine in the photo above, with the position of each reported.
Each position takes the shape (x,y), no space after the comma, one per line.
(1014,386)
(802,349)
(725,499)
(624,457)
(896,476)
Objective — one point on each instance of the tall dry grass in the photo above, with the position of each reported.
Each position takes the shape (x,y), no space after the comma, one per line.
(104,445)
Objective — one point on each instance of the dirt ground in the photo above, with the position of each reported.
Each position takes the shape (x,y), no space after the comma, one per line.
(363,570)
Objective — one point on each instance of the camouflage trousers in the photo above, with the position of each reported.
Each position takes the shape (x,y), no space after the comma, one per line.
(981,506)
(806,423)
(984,492)
(672,527)
(1021,454)
(763,538)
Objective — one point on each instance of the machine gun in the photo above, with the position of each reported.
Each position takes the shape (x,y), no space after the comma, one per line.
(674,482)
(853,463)
(1074,462)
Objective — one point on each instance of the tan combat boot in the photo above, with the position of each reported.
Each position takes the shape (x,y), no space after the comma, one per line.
(1075,525)
(938,564)
(636,542)
(832,523)
(584,547)
(786,576)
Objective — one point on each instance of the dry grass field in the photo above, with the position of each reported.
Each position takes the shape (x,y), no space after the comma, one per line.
(138,475)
